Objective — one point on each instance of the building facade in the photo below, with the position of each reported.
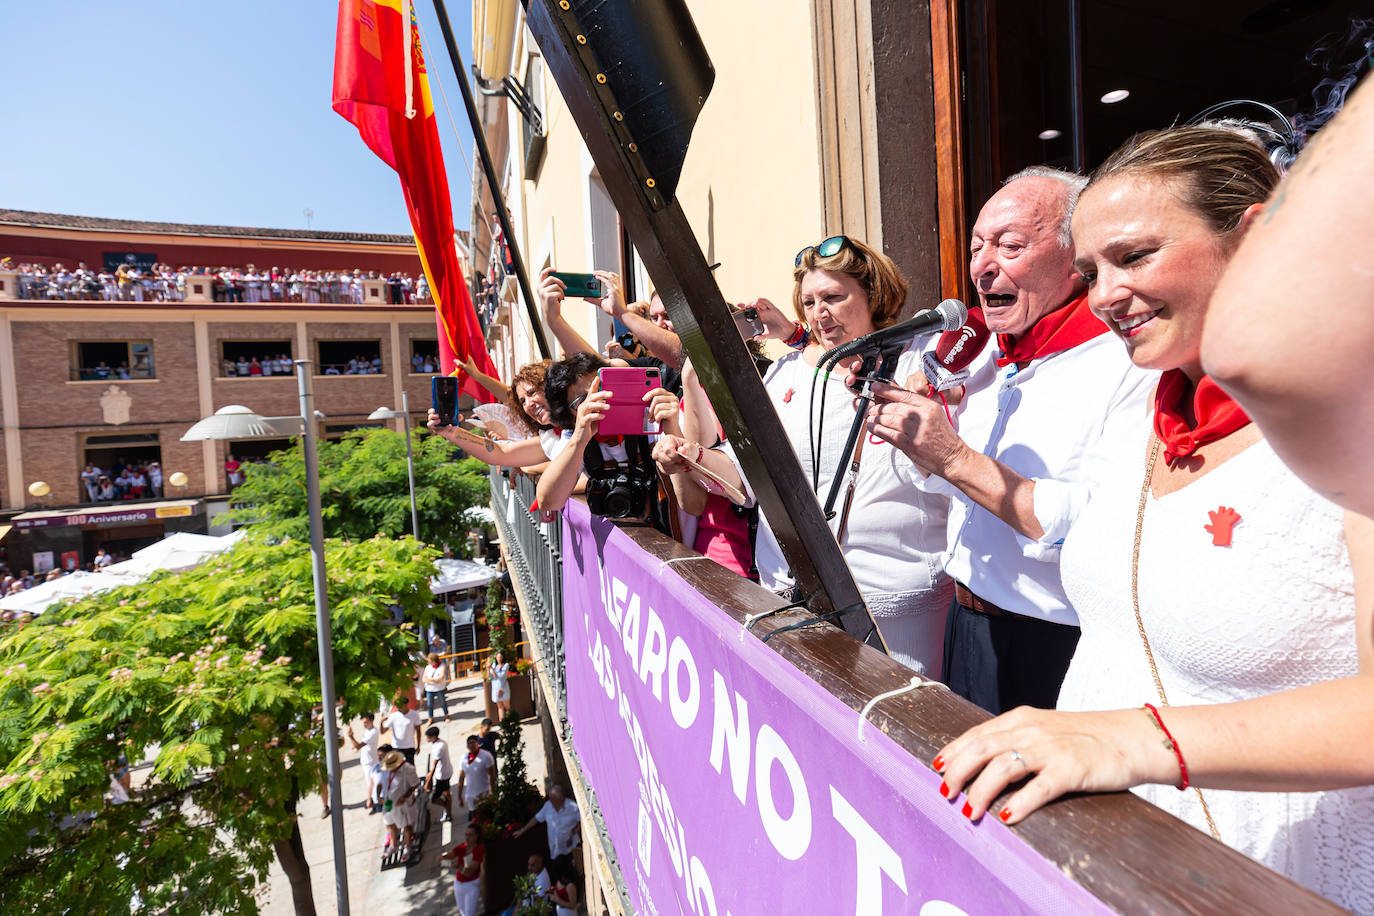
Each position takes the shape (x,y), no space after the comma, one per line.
(886,120)
(89,382)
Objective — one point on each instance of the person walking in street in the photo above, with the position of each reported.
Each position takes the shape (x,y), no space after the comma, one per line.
(440,772)
(476,774)
(404,725)
(400,784)
(368,760)
(468,858)
(435,679)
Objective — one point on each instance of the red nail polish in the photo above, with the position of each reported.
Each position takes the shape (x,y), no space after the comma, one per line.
(1004,814)
(944,789)
(968,810)
(938,763)
(534,505)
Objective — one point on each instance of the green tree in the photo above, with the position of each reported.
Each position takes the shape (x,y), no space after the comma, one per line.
(364,490)
(211,674)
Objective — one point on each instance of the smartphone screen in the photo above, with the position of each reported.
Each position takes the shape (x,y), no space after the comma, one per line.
(748,322)
(628,414)
(444,390)
(584,285)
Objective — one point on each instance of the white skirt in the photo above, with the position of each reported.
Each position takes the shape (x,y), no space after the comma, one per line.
(500,690)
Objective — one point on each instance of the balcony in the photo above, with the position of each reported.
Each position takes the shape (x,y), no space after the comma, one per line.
(196,284)
(688,699)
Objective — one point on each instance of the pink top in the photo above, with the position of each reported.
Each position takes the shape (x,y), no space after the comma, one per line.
(723,536)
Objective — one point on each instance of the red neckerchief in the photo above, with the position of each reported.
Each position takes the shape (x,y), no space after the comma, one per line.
(472,755)
(1217,414)
(610,440)
(1062,329)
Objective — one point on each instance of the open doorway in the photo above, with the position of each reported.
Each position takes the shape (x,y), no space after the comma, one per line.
(121,466)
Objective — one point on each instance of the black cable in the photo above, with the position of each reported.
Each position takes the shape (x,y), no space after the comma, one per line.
(832,617)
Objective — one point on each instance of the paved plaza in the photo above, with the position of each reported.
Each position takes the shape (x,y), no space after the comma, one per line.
(424,889)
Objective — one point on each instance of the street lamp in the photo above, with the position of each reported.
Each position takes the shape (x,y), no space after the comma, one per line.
(386,413)
(236,422)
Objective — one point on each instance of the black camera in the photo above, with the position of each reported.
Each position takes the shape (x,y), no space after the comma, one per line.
(620,493)
(628,342)
(623,490)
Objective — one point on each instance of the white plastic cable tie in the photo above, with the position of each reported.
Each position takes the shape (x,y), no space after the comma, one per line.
(916,682)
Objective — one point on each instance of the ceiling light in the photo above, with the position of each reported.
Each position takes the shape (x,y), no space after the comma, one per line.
(1050,134)
(1116,95)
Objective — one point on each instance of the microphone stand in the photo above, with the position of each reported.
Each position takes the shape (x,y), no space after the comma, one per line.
(886,369)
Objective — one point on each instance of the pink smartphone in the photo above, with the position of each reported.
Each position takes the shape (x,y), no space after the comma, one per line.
(628,414)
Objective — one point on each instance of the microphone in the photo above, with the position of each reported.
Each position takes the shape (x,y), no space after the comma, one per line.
(946,366)
(947,316)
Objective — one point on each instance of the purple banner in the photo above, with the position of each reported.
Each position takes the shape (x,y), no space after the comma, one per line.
(731,783)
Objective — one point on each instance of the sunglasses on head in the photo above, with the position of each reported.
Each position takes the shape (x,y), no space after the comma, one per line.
(576,403)
(825,249)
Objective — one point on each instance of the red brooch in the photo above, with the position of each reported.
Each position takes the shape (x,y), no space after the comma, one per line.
(1224,519)
(787,397)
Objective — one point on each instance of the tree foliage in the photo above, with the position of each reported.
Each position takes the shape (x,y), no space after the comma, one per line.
(211,674)
(364,489)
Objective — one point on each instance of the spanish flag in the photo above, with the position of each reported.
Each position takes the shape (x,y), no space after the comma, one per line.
(381,88)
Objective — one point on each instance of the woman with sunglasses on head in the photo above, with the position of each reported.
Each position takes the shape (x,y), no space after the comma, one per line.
(892,532)
(1223,643)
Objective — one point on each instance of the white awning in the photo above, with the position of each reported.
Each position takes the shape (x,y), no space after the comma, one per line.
(457,575)
(178,551)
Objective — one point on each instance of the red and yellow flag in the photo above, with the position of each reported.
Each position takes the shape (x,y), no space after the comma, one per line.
(380,86)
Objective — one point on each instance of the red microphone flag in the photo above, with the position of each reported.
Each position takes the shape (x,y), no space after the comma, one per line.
(380,87)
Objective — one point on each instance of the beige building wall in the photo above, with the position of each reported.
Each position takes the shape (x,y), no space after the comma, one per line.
(751,185)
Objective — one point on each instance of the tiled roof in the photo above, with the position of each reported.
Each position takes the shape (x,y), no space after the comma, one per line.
(97,224)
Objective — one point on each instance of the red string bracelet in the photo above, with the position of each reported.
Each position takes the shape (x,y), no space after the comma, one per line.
(1169,742)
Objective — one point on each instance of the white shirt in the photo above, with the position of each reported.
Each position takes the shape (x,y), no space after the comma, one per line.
(561,826)
(895,537)
(434,671)
(438,751)
(1272,610)
(367,754)
(403,728)
(477,774)
(1083,404)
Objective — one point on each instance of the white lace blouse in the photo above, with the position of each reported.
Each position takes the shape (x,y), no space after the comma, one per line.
(1272,611)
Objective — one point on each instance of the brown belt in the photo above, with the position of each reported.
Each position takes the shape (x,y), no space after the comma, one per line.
(971,601)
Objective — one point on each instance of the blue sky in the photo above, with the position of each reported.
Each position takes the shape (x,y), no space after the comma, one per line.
(202,112)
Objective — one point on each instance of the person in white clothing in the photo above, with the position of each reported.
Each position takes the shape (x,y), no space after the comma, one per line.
(1015,454)
(563,821)
(891,531)
(1228,636)
(435,680)
(439,773)
(400,785)
(368,760)
(476,774)
(404,725)
(498,670)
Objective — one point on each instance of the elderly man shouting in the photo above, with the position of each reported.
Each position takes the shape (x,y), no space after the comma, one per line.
(1018,456)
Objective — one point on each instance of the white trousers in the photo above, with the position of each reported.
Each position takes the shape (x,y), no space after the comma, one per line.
(465,895)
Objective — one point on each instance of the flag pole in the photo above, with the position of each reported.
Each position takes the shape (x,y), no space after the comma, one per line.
(489,170)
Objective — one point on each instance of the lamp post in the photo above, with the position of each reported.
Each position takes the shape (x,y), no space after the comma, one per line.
(386,413)
(237,422)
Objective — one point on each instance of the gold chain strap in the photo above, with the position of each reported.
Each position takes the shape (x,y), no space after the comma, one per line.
(1135,603)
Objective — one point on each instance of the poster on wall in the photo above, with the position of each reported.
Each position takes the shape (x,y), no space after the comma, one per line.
(42,561)
(71,559)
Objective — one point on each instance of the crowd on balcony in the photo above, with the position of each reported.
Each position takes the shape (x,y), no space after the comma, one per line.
(124,480)
(165,283)
(1074,525)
